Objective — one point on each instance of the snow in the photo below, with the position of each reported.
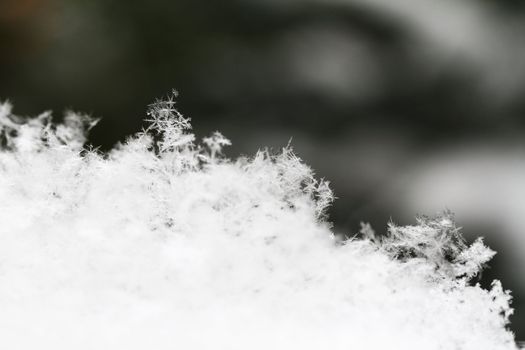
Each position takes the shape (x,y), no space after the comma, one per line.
(165,244)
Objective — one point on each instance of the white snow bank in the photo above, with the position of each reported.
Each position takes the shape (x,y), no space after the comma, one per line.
(165,244)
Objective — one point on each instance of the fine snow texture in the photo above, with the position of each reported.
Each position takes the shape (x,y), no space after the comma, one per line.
(165,244)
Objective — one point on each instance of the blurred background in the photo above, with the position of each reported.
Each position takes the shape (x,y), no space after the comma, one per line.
(407,107)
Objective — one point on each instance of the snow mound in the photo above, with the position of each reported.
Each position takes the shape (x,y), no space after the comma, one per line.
(163,243)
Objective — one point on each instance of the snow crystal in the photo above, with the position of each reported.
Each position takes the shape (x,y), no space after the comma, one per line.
(164,243)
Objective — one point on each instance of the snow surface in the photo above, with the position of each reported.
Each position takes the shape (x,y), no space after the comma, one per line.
(165,244)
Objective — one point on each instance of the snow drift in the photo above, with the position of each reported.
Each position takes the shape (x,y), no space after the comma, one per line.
(163,243)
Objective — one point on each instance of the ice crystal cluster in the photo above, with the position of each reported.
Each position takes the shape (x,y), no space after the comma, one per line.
(163,243)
